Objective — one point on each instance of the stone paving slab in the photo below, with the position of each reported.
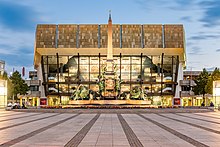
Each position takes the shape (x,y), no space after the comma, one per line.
(24,119)
(205,117)
(152,135)
(9,134)
(196,133)
(106,131)
(206,125)
(67,129)
(109,128)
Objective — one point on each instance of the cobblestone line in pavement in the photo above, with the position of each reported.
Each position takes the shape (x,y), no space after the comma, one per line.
(14,125)
(31,134)
(192,124)
(198,119)
(174,132)
(76,140)
(131,136)
(20,117)
(208,116)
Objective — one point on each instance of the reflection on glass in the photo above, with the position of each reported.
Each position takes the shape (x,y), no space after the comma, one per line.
(125,87)
(147,88)
(125,68)
(94,77)
(167,88)
(94,87)
(94,68)
(84,77)
(63,88)
(94,60)
(136,60)
(72,87)
(125,77)
(136,68)
(84,68)
(84,60)
(150,71)
(156,88)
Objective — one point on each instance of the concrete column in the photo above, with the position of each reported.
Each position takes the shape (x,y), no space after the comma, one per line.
(179,77)
(40,77)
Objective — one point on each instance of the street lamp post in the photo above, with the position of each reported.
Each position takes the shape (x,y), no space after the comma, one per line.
(215,100)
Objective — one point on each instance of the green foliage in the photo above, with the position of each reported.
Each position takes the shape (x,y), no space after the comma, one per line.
(4,76)
(138,93)
(214,76)
(18,84)
(101,82)
(201,83)
(81,92)
(135,92)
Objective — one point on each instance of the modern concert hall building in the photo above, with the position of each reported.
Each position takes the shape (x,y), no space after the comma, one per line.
(110,63)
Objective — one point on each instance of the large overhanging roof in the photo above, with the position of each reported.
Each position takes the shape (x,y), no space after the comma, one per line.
(126,39)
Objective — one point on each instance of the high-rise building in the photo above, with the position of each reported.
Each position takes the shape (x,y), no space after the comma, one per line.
(110,62)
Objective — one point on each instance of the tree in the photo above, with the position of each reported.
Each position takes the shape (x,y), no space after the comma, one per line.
(201,83)
(18,85)
(214,76)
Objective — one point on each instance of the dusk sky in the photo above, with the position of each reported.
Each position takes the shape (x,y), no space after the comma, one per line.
(201,20)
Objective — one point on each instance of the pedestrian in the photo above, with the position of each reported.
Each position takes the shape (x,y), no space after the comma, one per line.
(203,104)
(211,104)
(23,105)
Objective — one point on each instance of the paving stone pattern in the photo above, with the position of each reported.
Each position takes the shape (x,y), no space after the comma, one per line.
(75,141)
(132,138)
(34,129)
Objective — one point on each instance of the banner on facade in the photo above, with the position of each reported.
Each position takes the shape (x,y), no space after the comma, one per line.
(176,101)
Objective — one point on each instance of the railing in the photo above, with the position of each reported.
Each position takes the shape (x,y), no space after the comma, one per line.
(187,93)
(34,93)
(33,82)
(187,83)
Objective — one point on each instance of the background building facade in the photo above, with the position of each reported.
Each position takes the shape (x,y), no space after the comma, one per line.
(32,98)
(3,86)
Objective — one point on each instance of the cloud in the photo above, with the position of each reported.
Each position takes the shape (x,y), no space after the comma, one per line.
(203,37)
(149,5)
(211,16)
(210,68)
(186,18)
(143,4)
(196,51)
(13,43)
(218,50)
(189,44)
(18,60)
(17,17)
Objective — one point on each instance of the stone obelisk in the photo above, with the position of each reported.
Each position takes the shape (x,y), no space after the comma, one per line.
(109,74)
(109,62)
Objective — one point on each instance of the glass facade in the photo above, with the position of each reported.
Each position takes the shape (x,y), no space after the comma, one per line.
(152,75)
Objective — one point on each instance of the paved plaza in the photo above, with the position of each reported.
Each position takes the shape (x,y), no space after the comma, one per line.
(37,129)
